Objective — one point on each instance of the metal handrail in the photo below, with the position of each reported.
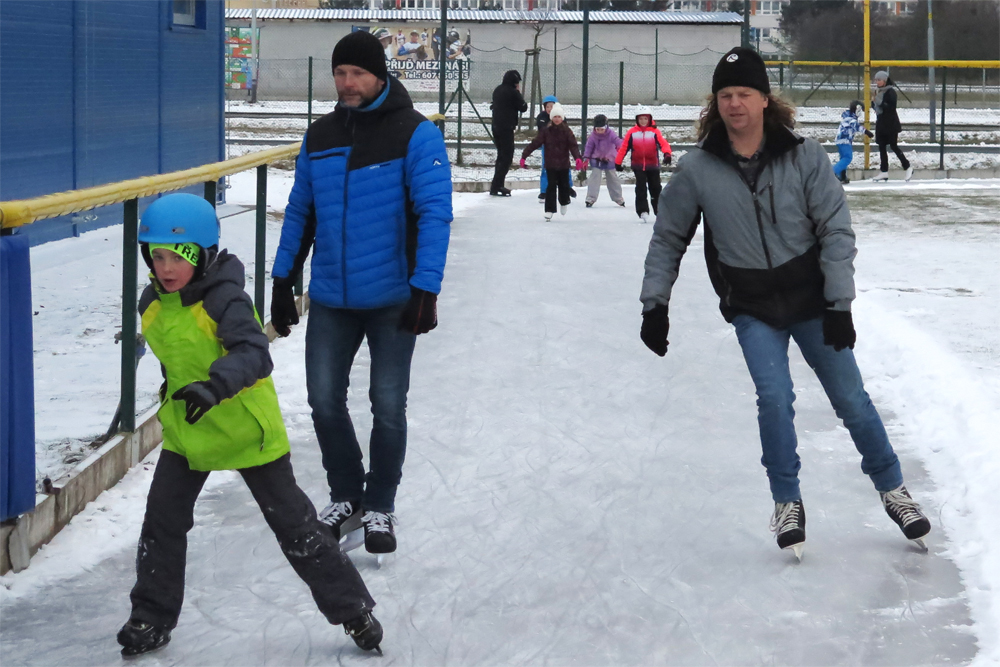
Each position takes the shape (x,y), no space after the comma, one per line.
(20,212)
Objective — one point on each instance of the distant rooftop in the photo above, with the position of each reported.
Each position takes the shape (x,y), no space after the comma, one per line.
(485,16)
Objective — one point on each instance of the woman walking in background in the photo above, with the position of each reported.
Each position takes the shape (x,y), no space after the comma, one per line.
(887,126)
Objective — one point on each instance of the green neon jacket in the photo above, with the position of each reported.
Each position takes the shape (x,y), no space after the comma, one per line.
(208,331)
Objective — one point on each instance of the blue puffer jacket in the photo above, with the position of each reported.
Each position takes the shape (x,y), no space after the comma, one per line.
(373,192)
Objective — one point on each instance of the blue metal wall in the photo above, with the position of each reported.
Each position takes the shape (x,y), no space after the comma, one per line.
(97,91)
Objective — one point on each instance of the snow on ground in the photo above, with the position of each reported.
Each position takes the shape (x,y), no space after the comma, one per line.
(568,497)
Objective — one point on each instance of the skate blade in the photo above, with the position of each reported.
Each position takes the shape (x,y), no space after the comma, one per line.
(797,550)
(352,540)
(921,544)
(381,559)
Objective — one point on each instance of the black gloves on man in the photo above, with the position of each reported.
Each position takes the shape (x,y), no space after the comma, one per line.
(868,133)
(655,325)
(420,314)
(838,329)
(199,398)
(283,311)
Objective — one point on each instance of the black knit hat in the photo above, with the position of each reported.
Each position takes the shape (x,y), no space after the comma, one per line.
(361,49)
(600,120)
(741,67)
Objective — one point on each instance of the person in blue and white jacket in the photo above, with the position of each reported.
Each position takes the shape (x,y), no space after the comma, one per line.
(372,200)
(849,126)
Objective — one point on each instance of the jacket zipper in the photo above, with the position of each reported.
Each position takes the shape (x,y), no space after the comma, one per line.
(343,218)
(774,214)
(760,223)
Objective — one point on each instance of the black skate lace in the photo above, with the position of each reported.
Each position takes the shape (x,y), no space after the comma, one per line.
(785,517)
(905,507)
(334,512)
(378,522)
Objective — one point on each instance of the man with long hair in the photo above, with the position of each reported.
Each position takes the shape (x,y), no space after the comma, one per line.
(780,253)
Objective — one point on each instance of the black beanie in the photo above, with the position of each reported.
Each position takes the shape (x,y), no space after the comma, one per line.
(361,49)
(741,67)
(600,120)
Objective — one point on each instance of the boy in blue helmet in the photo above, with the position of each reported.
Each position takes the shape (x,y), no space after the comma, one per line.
(219,411)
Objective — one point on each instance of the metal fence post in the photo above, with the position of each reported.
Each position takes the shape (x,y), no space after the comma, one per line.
(621,93)
(944,98)
(781,76)
(442,63)
(309,104)
(211,192)
(130,249)
(586,72)
(656,68)
(461,90)
(555,60)
(260,248)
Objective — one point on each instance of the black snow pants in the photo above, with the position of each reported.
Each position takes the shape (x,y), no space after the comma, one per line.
(647,178)
(557,190)
(503,138)
(308,544)
(883,155)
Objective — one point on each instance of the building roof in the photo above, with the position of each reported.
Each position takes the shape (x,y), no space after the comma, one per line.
(484,16)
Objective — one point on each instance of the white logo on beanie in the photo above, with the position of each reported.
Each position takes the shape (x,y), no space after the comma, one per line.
(733,57)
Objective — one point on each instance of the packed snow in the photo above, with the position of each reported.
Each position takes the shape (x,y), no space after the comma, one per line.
(568,497)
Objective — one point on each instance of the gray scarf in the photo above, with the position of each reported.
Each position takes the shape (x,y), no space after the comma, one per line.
(877,103)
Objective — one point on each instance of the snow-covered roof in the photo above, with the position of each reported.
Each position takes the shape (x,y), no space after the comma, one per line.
(484,16)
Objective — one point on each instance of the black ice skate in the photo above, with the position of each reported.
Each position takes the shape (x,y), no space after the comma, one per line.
(137,637)
(905,511)
(342,517)
(788,523)
(379,535)
(366,632)
(502,192)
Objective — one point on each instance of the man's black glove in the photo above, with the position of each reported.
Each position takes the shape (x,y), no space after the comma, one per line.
(868,133)
(655,325)
(199,398)
(667,158)
(619,167)
(420,314)
(838,329)
(283,311)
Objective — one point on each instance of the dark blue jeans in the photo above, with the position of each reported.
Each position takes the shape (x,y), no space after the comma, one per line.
(333,336)
(766,352)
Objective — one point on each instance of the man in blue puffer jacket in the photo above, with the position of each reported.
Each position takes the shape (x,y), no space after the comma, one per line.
(372,199)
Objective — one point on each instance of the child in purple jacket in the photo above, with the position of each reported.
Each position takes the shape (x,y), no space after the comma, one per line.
(602,146)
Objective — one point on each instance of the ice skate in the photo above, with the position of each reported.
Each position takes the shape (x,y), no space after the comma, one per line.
(562,209)
(621,203)
(905,511)
(548,216)
(590,204)
(909,173)
(502,192)
(882,176)
(137,637)
(541,198)
(336,514)
(788,523)
(366,632)
(644,217)
(379,535)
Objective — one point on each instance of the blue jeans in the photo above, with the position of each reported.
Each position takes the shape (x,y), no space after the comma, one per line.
(846,155)
(333,336)
(766,352)
(545,174)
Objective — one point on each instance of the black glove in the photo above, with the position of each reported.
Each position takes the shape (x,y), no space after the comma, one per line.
(655,325)
(283,311)
(420,314)
(667,158)
(199,397)
(868,133)
(619,167)
(838,329)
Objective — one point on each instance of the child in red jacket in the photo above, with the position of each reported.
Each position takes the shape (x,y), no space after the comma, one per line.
(645,142)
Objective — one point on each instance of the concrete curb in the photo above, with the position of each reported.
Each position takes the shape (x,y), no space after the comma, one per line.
(90,478)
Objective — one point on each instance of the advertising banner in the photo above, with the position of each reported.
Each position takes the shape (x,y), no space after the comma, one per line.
(413,54)
(238,56)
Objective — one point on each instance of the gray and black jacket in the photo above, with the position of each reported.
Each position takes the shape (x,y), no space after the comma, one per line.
(781,250)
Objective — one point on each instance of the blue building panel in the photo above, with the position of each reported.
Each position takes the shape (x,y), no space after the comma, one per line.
(98,91)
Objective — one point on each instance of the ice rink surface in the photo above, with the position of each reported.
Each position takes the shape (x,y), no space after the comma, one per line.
(571,499)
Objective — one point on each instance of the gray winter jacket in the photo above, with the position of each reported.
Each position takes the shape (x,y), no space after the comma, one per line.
(782,254)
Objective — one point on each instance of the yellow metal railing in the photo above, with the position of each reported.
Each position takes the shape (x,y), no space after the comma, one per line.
(25,211)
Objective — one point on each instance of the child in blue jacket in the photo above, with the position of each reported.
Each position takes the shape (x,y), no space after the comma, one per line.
(849,126)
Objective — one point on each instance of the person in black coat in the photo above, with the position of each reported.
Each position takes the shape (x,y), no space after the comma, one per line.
(887,126)
(507,104)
